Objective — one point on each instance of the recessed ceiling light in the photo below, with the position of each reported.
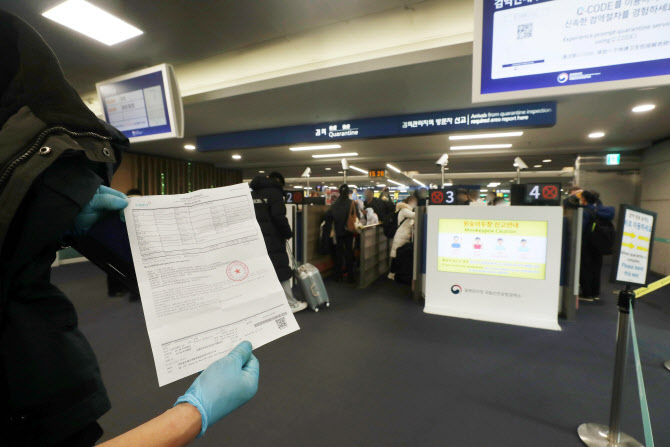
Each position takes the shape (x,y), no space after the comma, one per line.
(596,134)
(92,21)
(546,161)
(340,172)
(643,108)
(315,148)
(189,147)
(358,169)
(346,154)
(481,146)
(397,183)
(537,166)
(328,169)
(237,157)
(447,184)
(486,135)
(261,172)
(418,182)
(393,167)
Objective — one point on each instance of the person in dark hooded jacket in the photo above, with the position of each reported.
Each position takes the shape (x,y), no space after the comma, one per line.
(591,260)
(271,216)
(56,162)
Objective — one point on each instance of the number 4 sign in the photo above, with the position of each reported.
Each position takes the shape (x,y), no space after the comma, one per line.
(543,194)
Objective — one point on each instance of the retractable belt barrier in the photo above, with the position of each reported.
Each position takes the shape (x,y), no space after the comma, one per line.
(642,291)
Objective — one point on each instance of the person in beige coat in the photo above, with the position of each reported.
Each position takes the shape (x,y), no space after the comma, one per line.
(405,229)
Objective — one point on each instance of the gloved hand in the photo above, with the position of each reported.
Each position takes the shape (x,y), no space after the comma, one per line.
(225,385)
(105,200)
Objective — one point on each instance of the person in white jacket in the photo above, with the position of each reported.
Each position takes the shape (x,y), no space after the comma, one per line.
(405,227)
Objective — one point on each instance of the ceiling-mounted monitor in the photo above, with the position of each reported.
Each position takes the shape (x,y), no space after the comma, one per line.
(540,48)
(144,105)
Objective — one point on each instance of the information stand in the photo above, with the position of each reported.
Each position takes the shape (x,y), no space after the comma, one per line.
(497,264)
(631,267)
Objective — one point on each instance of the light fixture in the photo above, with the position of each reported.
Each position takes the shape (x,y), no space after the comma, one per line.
(486,135)
(481,146)
(397,183)
(643,108)
(92,21)
(418,182)
(381,185)
(315,148)
(340,172)
(237,157)
(328,169)
(393,167)
(546,161)
(358,169)
(189,147)
(537,166)
(447,184)
(261,172)
(596,134)
(348,154)
(483,190)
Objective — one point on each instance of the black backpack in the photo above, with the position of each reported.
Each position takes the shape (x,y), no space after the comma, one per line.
(391,225)
(601,233)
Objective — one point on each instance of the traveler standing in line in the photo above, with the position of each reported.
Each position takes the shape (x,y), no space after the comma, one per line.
(372,202)
(271,216)
(595,214)
(344,247)
(405,229)
(387,204)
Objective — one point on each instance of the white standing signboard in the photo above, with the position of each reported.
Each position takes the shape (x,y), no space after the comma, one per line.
(498,264)
(636,234)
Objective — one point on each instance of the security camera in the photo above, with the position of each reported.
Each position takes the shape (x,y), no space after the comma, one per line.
(307,172)
(443,161)
(345,164)
(520,164)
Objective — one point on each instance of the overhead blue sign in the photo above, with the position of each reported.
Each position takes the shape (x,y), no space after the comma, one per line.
(522,115)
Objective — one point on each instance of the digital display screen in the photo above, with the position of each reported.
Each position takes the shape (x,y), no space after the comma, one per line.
(511,248)
(531,44)
(138,106)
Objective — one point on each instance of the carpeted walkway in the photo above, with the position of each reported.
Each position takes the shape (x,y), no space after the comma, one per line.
(375,370)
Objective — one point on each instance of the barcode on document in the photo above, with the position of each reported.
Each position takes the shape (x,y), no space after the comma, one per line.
(281,323)
(276,318)
(524,31)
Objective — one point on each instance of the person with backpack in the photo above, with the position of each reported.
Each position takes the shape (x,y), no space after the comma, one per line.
(597,241)
(342,211)
(268,195)
(404,217)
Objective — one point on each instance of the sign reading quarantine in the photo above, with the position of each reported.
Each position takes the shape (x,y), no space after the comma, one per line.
(635,246)
(511,248)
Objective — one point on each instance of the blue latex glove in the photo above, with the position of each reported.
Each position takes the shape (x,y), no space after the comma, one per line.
(105,200)
(225,385)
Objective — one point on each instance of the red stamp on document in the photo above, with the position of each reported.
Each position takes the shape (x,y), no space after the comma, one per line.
(237,271)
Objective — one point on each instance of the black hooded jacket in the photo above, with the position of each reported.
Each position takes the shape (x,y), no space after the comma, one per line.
(54,154)
(271,216)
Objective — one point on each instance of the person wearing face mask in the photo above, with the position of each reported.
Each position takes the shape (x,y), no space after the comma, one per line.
(387,205)
(405,229)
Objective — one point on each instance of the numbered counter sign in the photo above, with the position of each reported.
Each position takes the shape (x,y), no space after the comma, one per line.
(296,197)
(537,194)
(442,196)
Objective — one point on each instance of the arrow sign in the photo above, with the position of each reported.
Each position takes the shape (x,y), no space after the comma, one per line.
(628,245)
(642,238)
(642,248)
(630,235)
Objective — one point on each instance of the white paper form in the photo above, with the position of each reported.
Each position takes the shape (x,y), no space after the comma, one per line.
(205,278)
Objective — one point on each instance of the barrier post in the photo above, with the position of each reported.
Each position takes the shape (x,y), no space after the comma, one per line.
(598,435)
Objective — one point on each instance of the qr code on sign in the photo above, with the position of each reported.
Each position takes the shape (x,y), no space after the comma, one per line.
(281,323)
(524,31)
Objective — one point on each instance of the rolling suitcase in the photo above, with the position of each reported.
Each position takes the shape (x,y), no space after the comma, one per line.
(311,283)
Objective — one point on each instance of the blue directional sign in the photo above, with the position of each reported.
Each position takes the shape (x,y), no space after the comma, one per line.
(541,114)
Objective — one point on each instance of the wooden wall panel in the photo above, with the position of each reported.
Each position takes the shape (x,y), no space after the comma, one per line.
(144,172)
